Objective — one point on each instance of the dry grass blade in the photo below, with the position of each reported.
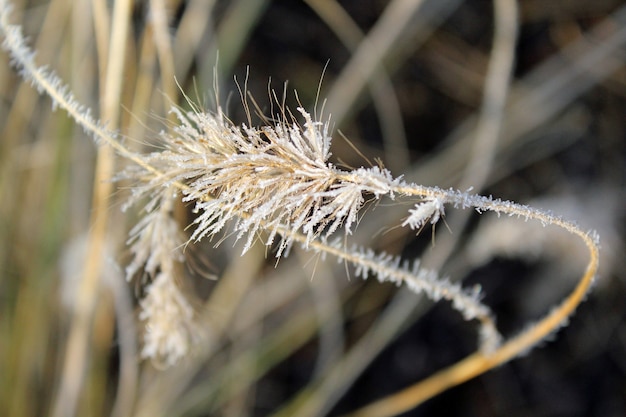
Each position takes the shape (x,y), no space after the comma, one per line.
(78,340)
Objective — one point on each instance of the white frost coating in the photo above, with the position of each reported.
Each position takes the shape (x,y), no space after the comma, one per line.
(431,209)
(389,268)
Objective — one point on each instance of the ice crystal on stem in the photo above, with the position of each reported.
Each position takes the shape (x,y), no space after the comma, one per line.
(431,209)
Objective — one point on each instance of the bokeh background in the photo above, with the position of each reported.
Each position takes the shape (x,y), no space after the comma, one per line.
(403,82)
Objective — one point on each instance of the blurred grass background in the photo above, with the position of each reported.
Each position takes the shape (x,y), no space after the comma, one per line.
(302,339)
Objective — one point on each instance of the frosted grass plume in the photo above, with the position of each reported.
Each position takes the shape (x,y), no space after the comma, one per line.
(276,180)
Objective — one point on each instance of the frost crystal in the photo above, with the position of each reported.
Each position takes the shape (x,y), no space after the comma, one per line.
(431,209)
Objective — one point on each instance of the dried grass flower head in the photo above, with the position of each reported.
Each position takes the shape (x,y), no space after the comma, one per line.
(265,178)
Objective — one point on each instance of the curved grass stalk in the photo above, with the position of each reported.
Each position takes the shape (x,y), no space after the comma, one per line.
(479,363)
